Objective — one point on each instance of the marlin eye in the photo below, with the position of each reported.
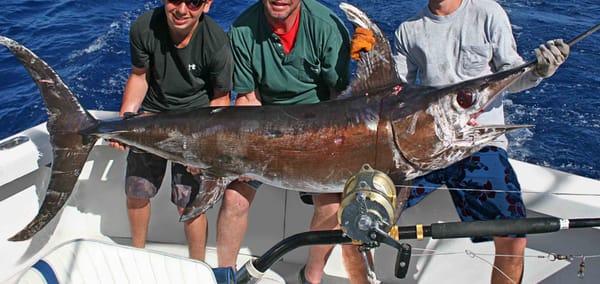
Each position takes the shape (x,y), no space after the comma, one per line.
(465,98)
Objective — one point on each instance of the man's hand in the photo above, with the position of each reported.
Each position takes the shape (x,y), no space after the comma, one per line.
(117,145)
(363,40)
(193,170)
(248,99)
(550,56)
(244,178)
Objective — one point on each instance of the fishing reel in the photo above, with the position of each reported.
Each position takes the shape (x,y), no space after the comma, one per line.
(367,214)
(368,202)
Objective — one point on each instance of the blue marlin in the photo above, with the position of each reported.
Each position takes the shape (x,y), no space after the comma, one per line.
(404,131)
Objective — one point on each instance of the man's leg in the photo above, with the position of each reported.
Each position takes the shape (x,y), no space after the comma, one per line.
(233,222)
(489,172)
(511,266)
(138,211)
(325,218)
(355,264)
(144,175)
(196,233)
(184,187)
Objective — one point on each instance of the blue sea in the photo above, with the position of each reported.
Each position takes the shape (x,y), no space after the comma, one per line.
(86,42)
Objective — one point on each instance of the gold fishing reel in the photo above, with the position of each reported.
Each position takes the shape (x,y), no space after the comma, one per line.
(368,202)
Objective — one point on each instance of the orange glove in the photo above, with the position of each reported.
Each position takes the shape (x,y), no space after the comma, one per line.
(362,40)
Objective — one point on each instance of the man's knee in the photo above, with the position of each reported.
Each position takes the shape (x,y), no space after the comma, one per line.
(136,203)
(237,198)
(508,245)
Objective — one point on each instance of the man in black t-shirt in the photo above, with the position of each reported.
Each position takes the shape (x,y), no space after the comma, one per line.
(181,60)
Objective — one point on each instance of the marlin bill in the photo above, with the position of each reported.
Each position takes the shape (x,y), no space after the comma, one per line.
(401,130)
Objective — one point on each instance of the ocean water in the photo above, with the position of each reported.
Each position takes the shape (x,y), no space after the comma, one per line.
(86,42)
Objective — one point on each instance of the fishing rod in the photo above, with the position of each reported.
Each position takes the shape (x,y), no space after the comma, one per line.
(571,42)
(584,35)
(254,269)
(368,213)
(530,64)
(452,230)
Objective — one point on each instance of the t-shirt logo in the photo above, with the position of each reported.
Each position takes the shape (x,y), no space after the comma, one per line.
(191,67)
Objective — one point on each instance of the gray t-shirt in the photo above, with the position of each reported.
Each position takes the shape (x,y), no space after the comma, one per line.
(474,41)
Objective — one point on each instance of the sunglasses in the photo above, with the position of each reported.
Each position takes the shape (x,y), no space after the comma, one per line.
(193,5)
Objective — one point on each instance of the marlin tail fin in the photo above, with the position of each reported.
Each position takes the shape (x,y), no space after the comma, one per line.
(67,120)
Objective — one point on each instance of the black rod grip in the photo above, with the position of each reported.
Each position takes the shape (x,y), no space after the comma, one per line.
(494,228)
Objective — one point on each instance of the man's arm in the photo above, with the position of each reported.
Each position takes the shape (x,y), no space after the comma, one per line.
(248,99)
(549,56)
(133,96)
(135,91)
(243,75)
(335,62)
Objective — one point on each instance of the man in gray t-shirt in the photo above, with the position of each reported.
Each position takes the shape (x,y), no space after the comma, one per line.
(451,41)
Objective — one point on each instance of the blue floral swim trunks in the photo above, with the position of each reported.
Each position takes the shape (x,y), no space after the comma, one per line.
(481,176)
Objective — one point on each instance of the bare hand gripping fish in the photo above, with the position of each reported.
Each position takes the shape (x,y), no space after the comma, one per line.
(400,130)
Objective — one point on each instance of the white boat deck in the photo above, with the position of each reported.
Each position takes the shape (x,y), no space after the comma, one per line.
(97,211)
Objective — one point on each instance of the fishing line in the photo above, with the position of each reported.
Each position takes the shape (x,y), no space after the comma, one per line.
(470,254)
(549,257)
(437,252)
(475,256)
(499,190)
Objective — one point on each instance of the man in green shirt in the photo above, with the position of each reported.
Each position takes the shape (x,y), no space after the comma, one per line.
(286,52)
(181,61)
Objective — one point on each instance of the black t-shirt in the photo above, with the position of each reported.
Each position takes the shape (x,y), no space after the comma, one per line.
(185,78)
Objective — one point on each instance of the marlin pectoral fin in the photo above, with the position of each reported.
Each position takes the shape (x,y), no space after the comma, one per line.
(211,190)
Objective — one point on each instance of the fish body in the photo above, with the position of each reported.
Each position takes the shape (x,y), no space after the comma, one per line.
(312,148)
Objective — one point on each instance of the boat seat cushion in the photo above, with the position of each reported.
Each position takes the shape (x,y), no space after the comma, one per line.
(87,261)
